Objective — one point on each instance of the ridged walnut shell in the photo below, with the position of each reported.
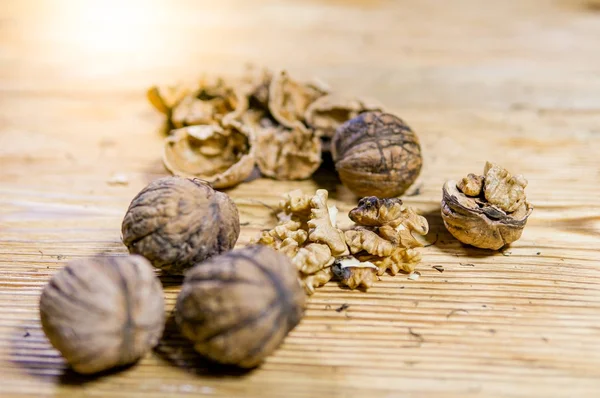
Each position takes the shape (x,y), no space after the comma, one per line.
(238,307)
(376,154)
(103,312)
(481,225)
(177,222)
(220,155)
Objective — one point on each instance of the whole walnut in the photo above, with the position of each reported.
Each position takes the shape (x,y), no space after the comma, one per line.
(177,222)
(376,154)
(103,312)
(238,307)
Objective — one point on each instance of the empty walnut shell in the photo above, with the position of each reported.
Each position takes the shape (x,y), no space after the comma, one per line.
(222,156)
(376,154)
(238,307)
(478,223)
(102,313)
(177,222)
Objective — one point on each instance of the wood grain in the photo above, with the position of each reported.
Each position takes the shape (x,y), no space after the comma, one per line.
(516,82)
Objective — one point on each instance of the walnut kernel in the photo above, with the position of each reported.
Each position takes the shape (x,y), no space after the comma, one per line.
(471,185)
(376,154)
(355,273)
(103,312)
(238,307)
(177,222)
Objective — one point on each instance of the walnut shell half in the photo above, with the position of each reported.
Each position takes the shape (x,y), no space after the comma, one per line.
(222,156)
(238,307)
(103,312)
(376,154)
(478,223)
(177,222)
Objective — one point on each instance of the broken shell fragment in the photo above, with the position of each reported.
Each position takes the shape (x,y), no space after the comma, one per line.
(165,98)
(329,112)
(289,99)
(287,154)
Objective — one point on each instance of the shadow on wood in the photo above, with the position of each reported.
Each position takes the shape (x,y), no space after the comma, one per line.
(32,352)
(170,280)
(443,240)
(175,349)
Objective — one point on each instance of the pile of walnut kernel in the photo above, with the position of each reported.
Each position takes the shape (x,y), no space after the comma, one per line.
(381,240)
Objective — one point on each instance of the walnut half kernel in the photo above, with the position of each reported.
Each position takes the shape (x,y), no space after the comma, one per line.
(355,273)
(488,211)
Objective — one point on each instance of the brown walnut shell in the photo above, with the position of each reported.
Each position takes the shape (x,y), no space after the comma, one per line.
(220,155)
(287,154)
(478,223)
(238,307)
(103,312)
(289,99)
(177,222)
(376,154)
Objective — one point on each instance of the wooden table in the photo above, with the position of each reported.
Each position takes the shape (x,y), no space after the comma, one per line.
(516,82)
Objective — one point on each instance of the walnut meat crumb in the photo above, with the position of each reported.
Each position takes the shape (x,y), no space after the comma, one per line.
(491,220)
(177,222)
(103,312)
(238,307)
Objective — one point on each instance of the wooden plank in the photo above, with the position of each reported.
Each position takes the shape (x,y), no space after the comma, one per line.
(515,82)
